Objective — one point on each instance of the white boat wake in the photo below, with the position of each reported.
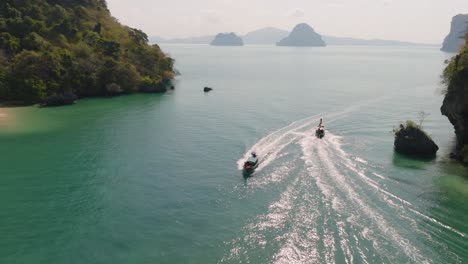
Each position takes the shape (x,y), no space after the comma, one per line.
(331,209)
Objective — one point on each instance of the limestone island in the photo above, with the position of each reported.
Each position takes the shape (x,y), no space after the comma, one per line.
(455,105)
(303,35)
(53,52)
(455,39)
(227,39)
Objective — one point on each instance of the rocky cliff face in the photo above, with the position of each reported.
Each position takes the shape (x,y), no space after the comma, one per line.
(454,41)
(455,105)
(227,39)
(302,36)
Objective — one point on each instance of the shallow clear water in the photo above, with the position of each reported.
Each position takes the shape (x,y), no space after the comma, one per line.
(156,179)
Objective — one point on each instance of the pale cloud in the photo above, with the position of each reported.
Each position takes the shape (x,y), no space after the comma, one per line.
(296,13)
(426,21)
(211,17)
(386,2)
(336,5)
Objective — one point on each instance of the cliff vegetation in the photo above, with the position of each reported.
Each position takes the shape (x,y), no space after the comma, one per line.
(53,47)
(455,105)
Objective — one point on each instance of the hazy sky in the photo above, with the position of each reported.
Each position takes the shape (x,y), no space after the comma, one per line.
(426,21)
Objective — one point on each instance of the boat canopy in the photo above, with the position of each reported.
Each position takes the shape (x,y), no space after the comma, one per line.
(252,159)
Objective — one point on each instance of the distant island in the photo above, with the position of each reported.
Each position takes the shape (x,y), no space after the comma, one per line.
(52,52)
(455,39)
(271,35)
(343,41)
(302,35)
(189,40)
(227,39)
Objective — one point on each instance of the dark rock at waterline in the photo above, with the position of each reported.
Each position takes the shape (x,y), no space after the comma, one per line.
(113,89)
(160,87)
(461,155)
(60,99)
(413,141)
(207,89)
(456,156)
(153,89)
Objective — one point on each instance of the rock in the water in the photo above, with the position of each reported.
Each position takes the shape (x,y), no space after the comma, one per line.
(207,89)
(455,39)
(410,139)
(227,39)
(60,99)
(302,36)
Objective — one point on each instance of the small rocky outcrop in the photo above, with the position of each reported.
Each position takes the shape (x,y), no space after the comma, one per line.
(227,39)
(207,89)
(303,36)
(455,39)
(411,139)
(60,99)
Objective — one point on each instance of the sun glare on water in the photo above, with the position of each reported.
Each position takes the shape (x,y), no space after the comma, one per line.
(3,118)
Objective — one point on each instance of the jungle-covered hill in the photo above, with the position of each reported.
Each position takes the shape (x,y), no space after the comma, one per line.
(52,47)
(455,105)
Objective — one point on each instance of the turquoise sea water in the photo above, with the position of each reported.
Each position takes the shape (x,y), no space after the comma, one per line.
(156,179)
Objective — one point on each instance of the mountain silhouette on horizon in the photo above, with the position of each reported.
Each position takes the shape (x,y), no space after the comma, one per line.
(302,35)
(272,35)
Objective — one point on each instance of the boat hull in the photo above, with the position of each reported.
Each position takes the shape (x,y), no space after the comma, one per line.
(320,133)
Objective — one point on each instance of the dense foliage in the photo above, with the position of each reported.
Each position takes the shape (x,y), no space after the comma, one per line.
(456,72)
(409,124)
(50,47)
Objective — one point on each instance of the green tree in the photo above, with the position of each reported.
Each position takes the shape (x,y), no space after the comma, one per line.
(9,43)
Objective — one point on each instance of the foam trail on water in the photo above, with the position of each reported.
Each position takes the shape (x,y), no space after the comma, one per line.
(336,208)
(324,213)
(380,176)
(341,184)
(344,157)
(255,233)
(271,145)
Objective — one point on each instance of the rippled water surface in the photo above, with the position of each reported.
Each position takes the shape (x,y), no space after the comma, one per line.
(157,179)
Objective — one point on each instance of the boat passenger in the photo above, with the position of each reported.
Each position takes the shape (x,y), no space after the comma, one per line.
(321,125)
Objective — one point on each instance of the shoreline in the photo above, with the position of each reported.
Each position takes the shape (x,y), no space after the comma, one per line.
(16,104)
